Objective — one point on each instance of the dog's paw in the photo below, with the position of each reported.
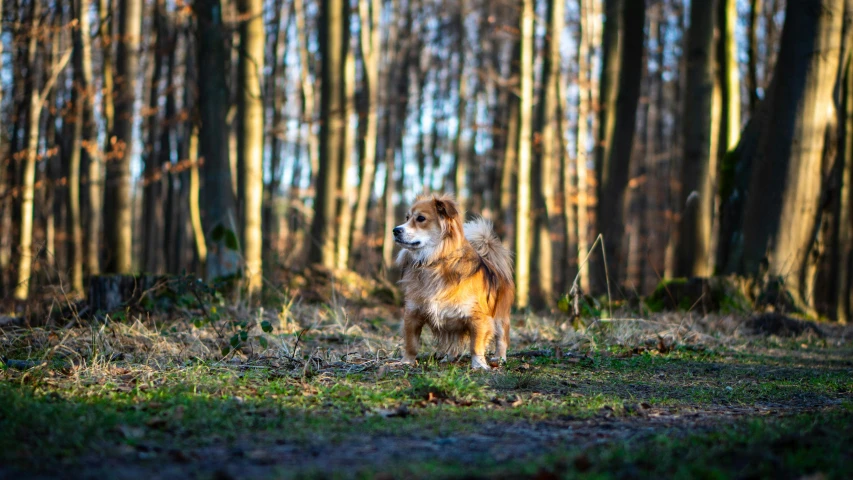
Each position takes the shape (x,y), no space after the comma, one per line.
(479,363)
(497,362)
(409,361)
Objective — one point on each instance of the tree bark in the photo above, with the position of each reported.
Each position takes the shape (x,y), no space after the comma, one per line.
(622,56)
(547,157)
(779,223)
(525,151)
(251,138)
(217,190)
(153,254)
(82,98)
(334,28)
(698,177)
(349,194)
(755,7)
(120,205)
(370,52)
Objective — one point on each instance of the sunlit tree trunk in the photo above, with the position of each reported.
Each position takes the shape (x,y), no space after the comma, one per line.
(370,13)
(334,28)
(348,191)
(36,102)
(96,167)
(698,178)
(547,157)
(83,96)
(782,209)
(525,150)
(120,206)
(729,72)
(251,138)
(582,158)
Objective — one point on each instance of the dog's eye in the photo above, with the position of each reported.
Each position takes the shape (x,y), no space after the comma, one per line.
(407,217)
(421,218)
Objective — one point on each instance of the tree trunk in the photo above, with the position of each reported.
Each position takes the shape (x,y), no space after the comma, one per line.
(349,194)
(219,215)
(729,72)
(752,54)
(251,138)
(120,205)
(334,28)
(525,150)
(96,167)
(82,98)
(698,177)
(585,21)
(843,262)
(25,234)
(779,223)
(622,56)
(544,160)
(370,45)
(153,255)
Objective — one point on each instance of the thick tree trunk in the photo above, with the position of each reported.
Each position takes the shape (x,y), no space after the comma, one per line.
(120,206)
(525,151)
(620,86)
(334,28)
(698,177)
(219,215)
(251,138)
(779,223)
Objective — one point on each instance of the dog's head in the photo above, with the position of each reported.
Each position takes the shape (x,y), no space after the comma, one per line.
(430,222)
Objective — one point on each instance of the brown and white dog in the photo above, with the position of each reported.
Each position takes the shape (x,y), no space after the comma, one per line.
(457,280)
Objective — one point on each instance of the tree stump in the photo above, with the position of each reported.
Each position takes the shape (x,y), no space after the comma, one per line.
(108,293)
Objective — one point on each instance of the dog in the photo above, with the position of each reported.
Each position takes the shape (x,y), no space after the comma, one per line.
(456,279)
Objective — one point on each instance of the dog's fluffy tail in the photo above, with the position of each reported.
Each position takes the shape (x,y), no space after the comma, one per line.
(481,234)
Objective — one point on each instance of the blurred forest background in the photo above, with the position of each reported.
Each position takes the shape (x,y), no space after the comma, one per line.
(258,137)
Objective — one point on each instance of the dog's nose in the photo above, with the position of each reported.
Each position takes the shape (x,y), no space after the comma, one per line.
(397,231)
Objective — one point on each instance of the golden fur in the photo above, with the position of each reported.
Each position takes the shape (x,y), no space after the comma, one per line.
(457,280)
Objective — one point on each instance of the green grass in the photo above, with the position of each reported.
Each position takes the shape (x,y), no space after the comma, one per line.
(757,407)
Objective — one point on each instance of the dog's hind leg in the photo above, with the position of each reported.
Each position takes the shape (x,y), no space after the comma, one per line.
(413,324)
(501,338)
(481,333)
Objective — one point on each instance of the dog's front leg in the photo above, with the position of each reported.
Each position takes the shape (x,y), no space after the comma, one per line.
(413,324)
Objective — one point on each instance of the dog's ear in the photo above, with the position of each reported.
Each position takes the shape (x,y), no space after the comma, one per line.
(446,207)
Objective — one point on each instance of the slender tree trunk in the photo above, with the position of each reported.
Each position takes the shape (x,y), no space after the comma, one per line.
(729,68)
(334,28)
(82,101)
(251,138)
(525,150)
(120,206)
(349,194)
(309,112)
(843,262)
(582,158)
(97,163)
(755,7)
(370,45)
(219,214)
(153,258)
(622,57)
(36,102)
(25,234)
(698,176)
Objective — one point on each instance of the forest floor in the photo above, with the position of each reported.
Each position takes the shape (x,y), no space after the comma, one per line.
(320,394)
